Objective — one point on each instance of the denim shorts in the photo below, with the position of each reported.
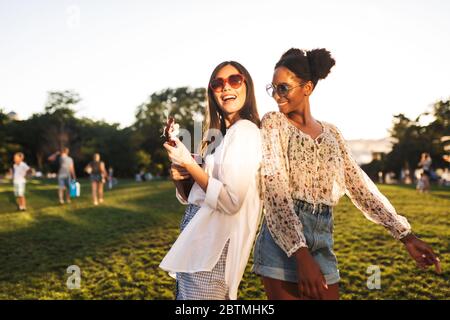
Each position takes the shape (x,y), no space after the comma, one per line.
(272,262)
(64,182)
(96,178)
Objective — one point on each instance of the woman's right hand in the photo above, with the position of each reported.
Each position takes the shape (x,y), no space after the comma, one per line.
(178,173)
(311,282)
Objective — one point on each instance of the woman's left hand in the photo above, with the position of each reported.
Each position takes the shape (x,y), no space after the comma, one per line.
(179,154)
(421,253)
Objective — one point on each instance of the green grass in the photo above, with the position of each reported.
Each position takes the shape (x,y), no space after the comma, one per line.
(119,245)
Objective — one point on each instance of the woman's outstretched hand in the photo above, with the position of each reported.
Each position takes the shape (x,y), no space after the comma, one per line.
(179,154)
(421,253)
(311,282)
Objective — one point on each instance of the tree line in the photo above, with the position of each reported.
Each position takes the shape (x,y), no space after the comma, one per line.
(138,147)
(128,150)
(412,139)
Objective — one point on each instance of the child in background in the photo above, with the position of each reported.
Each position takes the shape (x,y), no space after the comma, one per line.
(19,172)
(422,183)
(110,177)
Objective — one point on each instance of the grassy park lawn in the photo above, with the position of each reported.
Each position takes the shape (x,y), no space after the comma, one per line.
(119,245)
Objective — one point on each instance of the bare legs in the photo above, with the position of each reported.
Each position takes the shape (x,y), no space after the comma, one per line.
(94,192)
(283,290)
(427,184)
(21,203)
(61,192)
(100,192)
(97,192)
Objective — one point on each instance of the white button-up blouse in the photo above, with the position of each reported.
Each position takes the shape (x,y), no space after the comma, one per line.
(230,209)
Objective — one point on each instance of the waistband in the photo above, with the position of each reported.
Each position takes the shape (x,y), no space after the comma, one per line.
(312,208)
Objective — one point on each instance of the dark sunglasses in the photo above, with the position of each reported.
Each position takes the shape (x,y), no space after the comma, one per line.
(235,81)
(282,89)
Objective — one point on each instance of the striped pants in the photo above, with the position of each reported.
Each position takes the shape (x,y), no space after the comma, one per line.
(203,285)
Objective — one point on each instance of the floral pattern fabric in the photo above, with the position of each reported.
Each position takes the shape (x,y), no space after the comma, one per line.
(318,171)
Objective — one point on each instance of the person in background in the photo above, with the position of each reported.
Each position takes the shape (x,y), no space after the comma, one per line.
(425,164)
(19,172)
(110,177)
(96,170)
(66,172)
(422,183)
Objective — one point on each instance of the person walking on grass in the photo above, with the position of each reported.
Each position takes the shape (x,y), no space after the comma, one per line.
(19,173)
(111,178)
(307,166)
(422,183)
(425,163)
(97,172)
(66,172)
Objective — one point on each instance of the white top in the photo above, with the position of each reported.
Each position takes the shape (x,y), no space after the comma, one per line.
(20,172)
(426,164)
(230,209)
(319,171)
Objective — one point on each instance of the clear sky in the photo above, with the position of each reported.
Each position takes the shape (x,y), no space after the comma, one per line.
(391,56)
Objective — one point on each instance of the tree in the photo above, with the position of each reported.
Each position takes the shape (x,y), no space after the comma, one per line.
(45,133)
(409,144)
(60,118)
(412,140)
(57,126)
(8,146)
(143,160)
(181,103)
(438,130)
(58,100)
(3,149)
(115,145)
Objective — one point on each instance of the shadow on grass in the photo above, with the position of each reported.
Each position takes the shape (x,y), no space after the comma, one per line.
(54,242)
(10,203)
(40,196)
(436,191)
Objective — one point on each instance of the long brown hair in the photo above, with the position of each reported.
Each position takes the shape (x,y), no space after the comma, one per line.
(214,117)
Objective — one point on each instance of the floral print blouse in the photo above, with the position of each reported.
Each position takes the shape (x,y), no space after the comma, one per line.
(318,171)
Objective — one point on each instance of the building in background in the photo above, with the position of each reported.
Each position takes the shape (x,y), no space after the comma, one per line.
(364,151)
(13,116)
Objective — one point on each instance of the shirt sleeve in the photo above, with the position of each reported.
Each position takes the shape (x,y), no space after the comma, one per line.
(241,160)
(282,220)
(365,195)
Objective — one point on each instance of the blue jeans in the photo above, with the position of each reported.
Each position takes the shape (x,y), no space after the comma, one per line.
(272,262)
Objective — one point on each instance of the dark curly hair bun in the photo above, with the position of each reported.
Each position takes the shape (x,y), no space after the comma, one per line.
(293,52)
(320,62)
(312,65)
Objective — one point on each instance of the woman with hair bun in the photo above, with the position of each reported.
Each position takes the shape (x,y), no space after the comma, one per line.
(307,166)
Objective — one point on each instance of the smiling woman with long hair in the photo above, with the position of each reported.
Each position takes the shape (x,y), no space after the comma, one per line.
(223,206)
